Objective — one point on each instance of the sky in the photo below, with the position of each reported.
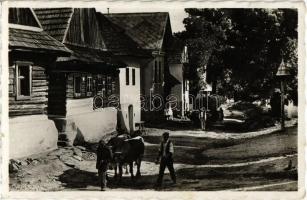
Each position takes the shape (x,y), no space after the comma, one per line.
(177,14)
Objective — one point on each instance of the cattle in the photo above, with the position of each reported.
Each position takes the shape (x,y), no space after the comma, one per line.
(127,150)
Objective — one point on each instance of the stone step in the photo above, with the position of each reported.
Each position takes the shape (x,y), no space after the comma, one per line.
(63,137)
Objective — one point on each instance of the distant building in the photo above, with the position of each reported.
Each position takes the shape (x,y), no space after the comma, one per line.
(32,54)
(152,32)
(178,68)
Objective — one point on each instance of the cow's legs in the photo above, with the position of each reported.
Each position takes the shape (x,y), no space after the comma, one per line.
(120,168)
(126,166)
(131,170)
(138,164)
(115,170)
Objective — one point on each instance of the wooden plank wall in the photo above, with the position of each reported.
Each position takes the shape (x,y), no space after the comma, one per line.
(84,29)
(37,104)
(22,16)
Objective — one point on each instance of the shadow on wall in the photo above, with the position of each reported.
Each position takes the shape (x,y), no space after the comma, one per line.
(91,126)
(79,140)
(121,125)
(87,127)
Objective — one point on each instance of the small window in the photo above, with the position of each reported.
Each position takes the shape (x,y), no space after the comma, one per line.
(109,86)
(99,82)
(23,81)
(89,86)
(127,76)
(133,76)
(77,86)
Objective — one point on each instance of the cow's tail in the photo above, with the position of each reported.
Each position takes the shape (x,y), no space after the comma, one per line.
(141,153)
(143,146)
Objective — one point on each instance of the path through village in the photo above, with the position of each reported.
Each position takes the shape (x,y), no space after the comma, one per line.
(261,160)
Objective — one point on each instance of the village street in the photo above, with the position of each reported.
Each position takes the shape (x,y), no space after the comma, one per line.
(212,91)
(262,160)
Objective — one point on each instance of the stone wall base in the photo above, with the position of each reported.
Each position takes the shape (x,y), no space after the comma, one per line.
(31,135)
(86,127)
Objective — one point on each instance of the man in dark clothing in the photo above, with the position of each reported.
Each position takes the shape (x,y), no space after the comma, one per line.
(104,156)
(165,158)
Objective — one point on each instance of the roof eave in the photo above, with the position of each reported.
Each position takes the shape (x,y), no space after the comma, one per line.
(37,50)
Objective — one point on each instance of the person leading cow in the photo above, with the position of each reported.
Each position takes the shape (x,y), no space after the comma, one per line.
(104,156)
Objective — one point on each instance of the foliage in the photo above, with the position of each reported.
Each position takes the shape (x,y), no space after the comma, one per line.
(241,49)
(255,117)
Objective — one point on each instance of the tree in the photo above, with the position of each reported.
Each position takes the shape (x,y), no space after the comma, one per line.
(242,49)
(203,37)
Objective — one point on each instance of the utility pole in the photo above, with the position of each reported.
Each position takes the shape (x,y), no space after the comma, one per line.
(282,74)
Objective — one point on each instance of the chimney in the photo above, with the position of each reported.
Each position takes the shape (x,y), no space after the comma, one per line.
(108,10)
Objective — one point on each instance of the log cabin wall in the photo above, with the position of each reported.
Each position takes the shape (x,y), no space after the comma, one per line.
(82,87)
(38,100)
(101,84)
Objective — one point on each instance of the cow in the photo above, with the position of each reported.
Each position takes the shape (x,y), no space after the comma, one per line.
(127,150)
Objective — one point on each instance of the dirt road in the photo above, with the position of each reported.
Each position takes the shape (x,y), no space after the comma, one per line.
(266,162)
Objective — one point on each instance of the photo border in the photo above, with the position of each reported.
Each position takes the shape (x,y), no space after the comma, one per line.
(143,194)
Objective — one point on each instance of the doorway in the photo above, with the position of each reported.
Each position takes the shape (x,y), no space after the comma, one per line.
(130,115)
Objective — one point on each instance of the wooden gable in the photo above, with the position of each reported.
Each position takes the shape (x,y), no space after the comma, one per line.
(84,29)
(167,35)
(23,16)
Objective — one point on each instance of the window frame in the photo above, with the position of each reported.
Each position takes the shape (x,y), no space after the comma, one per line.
(133,76)
(17,66)
(108,86)
(77,95)
(89,85)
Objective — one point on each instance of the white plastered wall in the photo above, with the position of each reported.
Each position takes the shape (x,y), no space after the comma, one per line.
(130,95)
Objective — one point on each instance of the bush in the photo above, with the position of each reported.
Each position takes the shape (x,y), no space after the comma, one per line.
(255,116)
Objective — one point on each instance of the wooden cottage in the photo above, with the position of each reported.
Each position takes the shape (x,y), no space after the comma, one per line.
(32,55)
(76,80)
(153,33)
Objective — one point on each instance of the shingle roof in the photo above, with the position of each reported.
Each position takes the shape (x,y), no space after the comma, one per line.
(34,40)
(55,20)
(146,29)
(116,39)
(84,55)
